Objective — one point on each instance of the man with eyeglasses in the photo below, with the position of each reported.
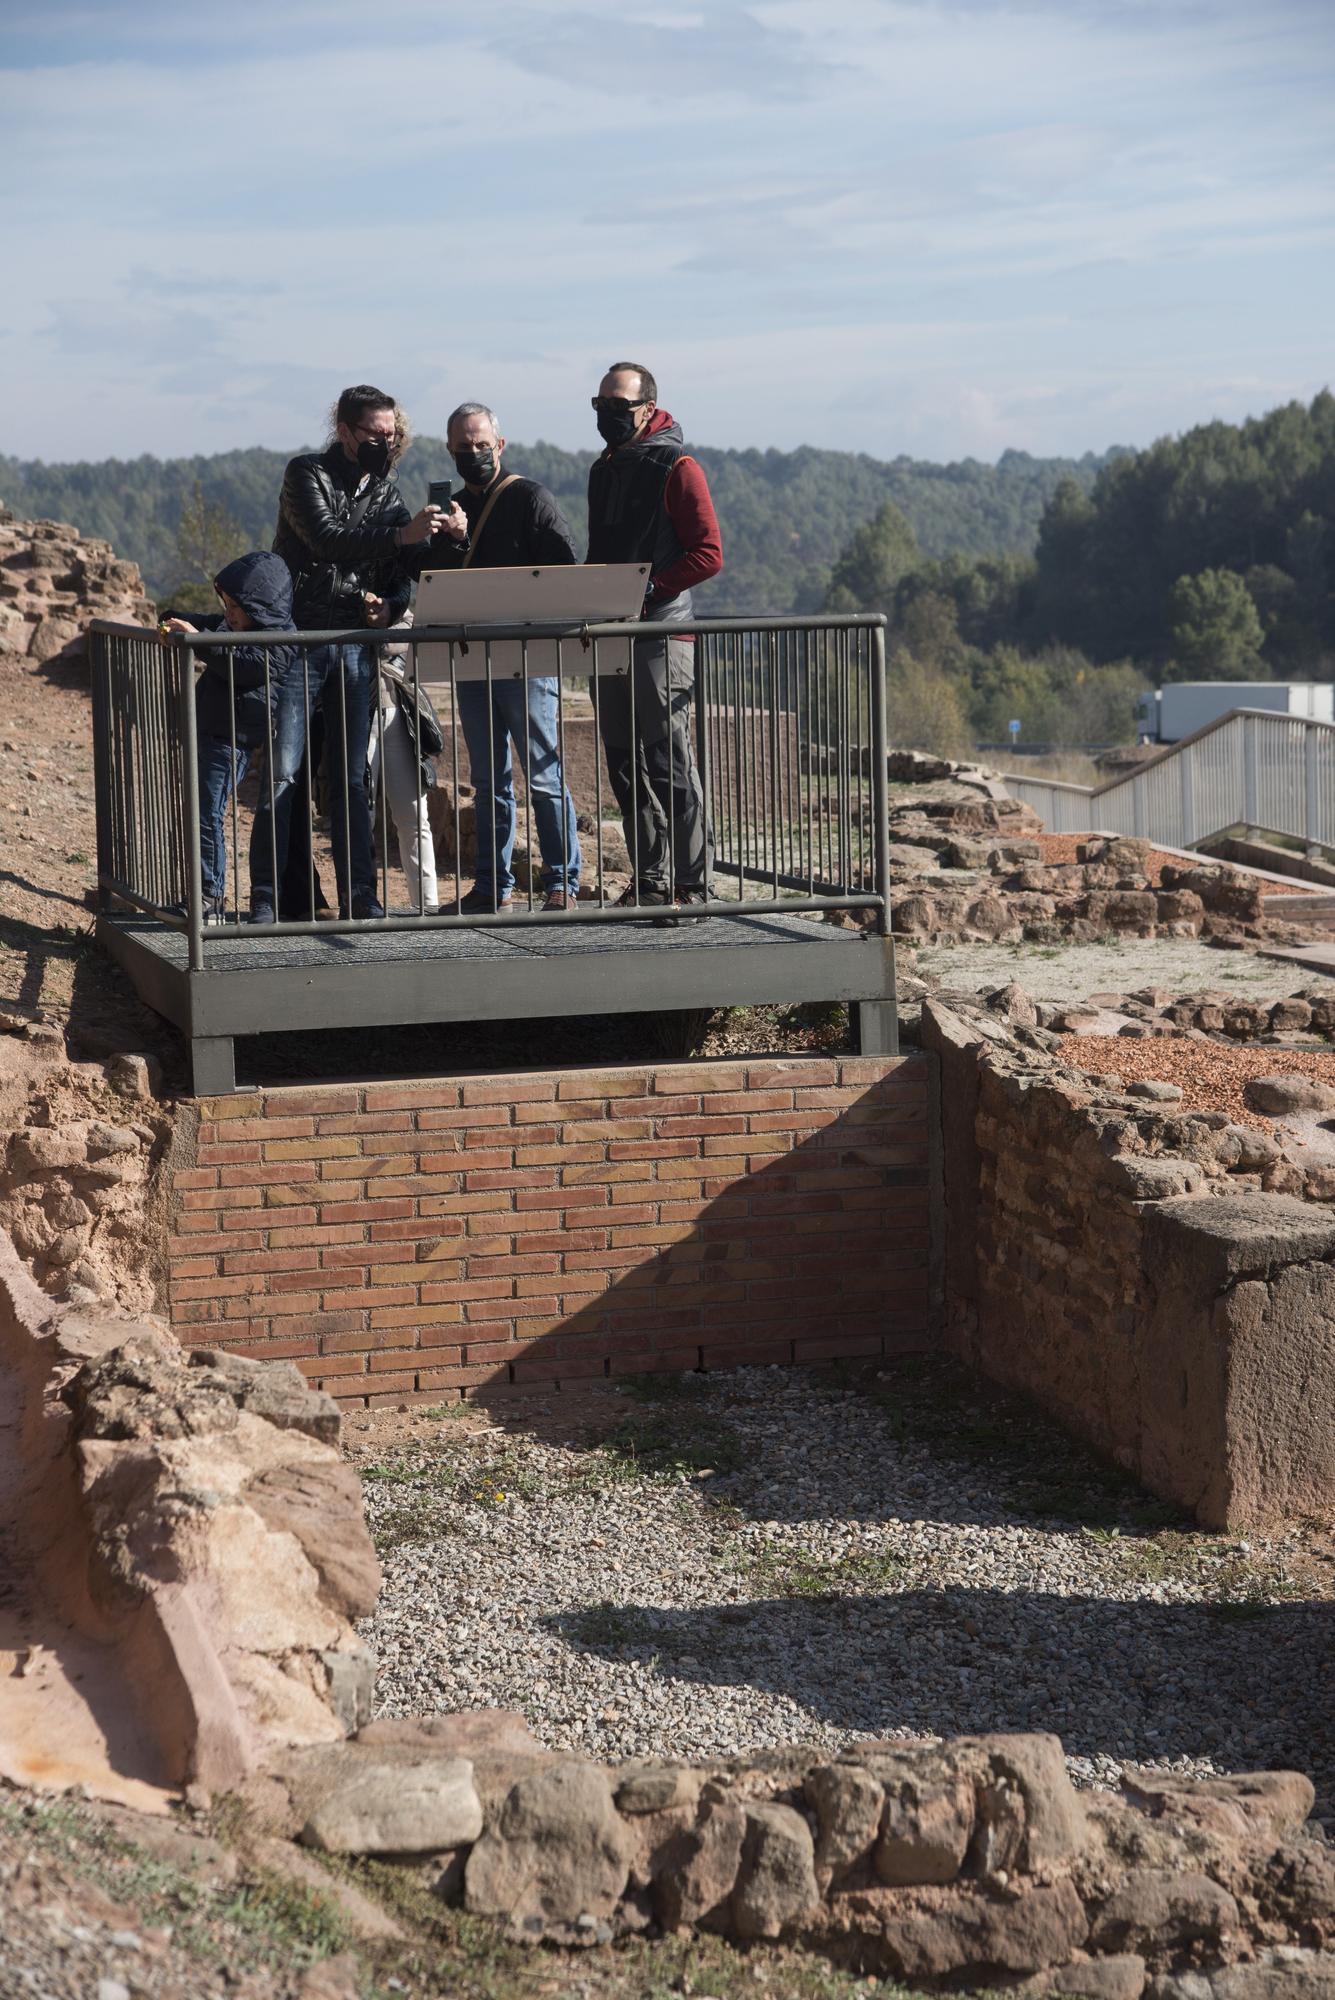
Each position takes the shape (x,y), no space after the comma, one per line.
(649,502)
(342,525)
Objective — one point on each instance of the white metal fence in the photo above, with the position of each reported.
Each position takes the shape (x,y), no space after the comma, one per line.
(1249,769)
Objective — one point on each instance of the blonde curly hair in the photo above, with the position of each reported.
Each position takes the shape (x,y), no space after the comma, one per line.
(352,406)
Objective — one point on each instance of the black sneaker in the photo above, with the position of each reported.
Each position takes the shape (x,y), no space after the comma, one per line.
(480,902)
(367,906)
(644,895)
(261,913)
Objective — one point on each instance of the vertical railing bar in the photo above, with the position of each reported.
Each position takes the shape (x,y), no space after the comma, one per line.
(191,775)
(598,772)
(310,789)
(455,727)
(488,683)
(528,764)
(236,788)
(340,653)
(880,757)
(634,783)
(273,793)
(378,691)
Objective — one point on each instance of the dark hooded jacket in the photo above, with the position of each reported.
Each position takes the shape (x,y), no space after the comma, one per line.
(649,502)
(262,586)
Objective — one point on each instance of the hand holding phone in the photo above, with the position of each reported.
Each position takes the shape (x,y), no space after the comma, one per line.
(438,494)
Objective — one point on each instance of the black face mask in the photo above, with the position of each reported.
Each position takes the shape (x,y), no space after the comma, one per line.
(616,426)
(374,456)
(476,465)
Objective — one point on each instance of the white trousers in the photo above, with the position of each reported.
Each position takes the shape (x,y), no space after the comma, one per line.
(393,764)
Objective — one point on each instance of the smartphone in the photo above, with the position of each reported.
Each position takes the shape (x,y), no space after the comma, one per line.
(438,494)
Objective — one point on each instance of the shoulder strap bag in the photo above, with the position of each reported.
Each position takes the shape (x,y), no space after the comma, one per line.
(475,534)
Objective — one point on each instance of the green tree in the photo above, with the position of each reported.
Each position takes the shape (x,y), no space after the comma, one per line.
(1216,631)
(207,538)
(923,708)
(880,555)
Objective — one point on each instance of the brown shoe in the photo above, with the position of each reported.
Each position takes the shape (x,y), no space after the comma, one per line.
(557,899)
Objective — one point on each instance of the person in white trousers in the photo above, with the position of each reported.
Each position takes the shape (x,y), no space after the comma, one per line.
(393,761)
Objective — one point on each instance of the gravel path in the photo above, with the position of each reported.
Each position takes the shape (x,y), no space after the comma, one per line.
(768,1558)
(1211,1075)
(1070,972)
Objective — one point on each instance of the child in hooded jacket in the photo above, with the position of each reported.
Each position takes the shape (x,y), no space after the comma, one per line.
(235,698)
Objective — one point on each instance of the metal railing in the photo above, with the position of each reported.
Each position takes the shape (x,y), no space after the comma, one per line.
(1250,768)
(785,725)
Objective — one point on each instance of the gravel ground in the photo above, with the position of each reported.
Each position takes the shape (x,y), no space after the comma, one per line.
(1212,1075)
(769,1557)
(1070,972)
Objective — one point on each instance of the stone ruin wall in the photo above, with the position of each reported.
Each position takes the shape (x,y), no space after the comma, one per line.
(54,581)
(211,1507)
(1121,1262)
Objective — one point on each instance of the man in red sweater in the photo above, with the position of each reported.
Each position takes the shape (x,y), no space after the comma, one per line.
(649,502)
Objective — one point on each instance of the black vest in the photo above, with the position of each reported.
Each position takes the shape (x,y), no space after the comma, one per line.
(628,521)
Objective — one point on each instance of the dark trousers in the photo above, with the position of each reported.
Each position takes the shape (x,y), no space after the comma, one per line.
(651,765)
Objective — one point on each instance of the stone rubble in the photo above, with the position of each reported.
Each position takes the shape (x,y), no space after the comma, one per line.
(54,582)
(971,1861)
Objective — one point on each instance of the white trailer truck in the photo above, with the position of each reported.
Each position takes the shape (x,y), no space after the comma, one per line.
(1167,714)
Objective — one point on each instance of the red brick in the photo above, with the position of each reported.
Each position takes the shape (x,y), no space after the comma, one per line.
(367,1167)
(280,1304)
(515,1267)
(565,1198)
(613,1083)
(457,1377)
(559,1156)
(272,1260)
(566,1240)
(473,1288)
(330,1365)
(465,1118)
(194,1312)
(513,1177)
(655,1149)
(360,1122)
(228,1155)
(317,1325)
(415,1229)
(761,1354)
(189,1180)
(259,1130)
(410,1097)
(343,1232)
(440,1315)
(284,1192)
(192,1267)
(509,1090)
(209,1241)
(310,1149)
(380,1210)
(363,1339)
(799,1072)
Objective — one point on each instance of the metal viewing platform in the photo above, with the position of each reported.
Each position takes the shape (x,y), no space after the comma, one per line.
(788,734)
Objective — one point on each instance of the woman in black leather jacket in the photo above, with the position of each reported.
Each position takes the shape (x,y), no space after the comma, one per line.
(341,525)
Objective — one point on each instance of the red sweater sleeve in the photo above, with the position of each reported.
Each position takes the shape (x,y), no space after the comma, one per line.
(691,512)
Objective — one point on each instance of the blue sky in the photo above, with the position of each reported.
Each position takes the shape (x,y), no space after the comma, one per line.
(880,225)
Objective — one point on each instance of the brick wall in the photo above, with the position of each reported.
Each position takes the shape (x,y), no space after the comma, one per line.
(429,1239)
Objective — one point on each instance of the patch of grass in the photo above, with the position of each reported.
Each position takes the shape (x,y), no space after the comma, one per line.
(667,1447)
(1039,1471)
(268,1920)
(799,1575)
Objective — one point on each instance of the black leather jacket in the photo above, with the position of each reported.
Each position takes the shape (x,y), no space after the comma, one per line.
(332,560)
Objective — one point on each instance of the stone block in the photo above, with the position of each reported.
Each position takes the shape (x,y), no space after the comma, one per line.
(374,1807)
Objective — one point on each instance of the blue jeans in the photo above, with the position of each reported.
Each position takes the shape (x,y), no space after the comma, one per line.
(217,779)
(490,726)
(342,679)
